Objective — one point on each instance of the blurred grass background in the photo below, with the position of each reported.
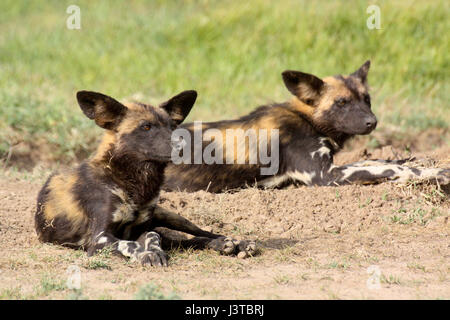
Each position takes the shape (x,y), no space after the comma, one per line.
(231,52)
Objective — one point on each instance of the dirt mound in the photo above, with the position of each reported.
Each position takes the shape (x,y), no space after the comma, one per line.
(432,144)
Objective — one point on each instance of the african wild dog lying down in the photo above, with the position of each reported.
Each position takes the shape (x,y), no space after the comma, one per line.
(110,200)
(322,115)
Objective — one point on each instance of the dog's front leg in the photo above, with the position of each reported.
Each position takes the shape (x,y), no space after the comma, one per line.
(223,245)
(171,220)
(147,249)
(203,239)
(376,171)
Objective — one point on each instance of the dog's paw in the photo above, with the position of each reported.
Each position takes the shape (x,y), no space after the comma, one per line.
(246,248)
(229,246)
(150,240)
(154,257)
(443,177)
(435,175)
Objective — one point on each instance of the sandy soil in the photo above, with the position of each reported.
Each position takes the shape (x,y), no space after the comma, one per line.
(355,242)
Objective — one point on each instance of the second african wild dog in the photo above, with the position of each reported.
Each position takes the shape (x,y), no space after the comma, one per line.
(322,115)
(110,200)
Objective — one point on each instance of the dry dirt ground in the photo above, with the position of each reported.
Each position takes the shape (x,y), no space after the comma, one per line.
(353,242)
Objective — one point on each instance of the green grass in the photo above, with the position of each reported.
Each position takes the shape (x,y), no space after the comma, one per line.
(338,265)
(231,52)
(153,292)
(77,295)
(390,279)
(11,294)
(100,260)
(416,215)
(49,284)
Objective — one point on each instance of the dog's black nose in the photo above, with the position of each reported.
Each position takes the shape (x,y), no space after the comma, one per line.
(371,122)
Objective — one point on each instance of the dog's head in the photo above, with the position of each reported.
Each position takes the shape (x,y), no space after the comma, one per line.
(138,131)
(337,104)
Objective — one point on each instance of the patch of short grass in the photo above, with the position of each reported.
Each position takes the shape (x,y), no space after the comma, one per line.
(96,263)
(390,279)
(101,260)
(342,265)
(11,294)
(76,295)
(48,284)
(286,254)
(416,215)
(153,292)
(416,266)
(282,279)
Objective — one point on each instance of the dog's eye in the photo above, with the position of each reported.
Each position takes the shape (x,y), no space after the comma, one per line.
(309,101)
(341,102)
(146,127)
(367,99)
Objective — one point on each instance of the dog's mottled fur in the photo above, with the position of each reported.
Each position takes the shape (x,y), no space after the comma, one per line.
(111,199)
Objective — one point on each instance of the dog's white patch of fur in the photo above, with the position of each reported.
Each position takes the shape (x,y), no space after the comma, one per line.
(123,247)
(125,210)
(321,151)
(272,182)
(304,177)
(102,240)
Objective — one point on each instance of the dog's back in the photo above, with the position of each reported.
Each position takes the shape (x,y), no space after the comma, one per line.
(321,116)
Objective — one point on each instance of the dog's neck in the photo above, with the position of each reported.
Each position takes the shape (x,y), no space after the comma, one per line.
(339,138)
(306,113)
(141,180)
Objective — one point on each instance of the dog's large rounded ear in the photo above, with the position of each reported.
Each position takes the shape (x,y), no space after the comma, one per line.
(106,111)
(179,106)
(362,72)
(304,86)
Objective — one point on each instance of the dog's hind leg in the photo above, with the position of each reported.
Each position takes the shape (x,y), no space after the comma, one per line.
(374,171)
(171,220)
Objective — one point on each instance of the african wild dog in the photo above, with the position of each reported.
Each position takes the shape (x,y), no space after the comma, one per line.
(322,115)
(110,200)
